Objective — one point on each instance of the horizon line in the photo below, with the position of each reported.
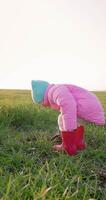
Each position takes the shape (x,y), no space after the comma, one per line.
(30,89)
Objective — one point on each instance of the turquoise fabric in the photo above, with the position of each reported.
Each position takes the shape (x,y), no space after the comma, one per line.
(38,90)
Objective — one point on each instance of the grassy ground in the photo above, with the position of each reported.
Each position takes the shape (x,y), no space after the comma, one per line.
(30,170)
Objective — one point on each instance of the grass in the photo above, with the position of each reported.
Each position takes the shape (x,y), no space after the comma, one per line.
(30,170)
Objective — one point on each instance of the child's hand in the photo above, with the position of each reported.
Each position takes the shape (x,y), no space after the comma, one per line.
(56,137)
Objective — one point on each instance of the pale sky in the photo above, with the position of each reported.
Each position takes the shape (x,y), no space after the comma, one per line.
(60,41)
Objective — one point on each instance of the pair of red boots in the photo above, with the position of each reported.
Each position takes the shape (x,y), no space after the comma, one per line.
(72,141)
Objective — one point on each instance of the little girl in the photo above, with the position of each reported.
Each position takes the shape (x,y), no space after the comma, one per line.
(74,103)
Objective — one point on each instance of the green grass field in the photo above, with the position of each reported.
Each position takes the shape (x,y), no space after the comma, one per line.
(30,170)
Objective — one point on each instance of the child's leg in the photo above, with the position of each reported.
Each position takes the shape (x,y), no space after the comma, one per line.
(80,122)
(78,135)
(60,123)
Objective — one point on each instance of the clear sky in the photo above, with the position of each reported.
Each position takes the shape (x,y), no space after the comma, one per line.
(60,41)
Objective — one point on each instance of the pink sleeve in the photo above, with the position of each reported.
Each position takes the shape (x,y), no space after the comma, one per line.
(67,104)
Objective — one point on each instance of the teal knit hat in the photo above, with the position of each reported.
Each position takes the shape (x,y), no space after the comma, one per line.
(38,90)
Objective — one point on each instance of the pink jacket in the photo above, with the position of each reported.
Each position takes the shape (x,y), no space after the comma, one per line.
(73,102)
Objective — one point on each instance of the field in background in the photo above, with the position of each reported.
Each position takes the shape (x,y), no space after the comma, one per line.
(17,97)
(30,170)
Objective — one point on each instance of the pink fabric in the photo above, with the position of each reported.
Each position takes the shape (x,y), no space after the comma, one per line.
(73,102)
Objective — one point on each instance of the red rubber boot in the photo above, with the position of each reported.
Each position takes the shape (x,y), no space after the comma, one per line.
(80,143)
(68,143)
